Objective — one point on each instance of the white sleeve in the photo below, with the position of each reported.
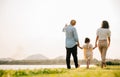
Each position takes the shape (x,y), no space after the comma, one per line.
(97,33)
(109,33)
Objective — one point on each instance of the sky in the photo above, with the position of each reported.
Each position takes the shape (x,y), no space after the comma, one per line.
(30,27)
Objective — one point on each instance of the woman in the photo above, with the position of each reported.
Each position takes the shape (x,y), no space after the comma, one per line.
(103,39)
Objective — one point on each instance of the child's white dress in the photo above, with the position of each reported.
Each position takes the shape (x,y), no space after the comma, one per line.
(88,54)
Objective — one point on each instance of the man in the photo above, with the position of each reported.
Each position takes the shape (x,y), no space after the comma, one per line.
(71,43)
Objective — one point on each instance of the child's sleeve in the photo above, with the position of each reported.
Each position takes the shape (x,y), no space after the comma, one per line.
(91,47)
(83,46)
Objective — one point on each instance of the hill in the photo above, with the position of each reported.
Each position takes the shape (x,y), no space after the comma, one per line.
(60,58)
(6,59)
(36,57)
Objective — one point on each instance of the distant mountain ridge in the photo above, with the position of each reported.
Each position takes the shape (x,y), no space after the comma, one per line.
(6,59)
(36,57)
(60,57)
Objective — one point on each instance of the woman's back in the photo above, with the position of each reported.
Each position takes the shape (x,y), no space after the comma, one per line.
(103,33)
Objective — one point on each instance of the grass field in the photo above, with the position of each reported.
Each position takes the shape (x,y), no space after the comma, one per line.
(109,71)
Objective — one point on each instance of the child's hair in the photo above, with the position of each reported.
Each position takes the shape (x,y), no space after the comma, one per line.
(87,40)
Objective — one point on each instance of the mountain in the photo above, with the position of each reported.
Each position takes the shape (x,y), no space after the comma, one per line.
(6,59)
(60,57)
(36,57)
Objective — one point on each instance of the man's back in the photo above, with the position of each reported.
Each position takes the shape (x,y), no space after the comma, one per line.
(71,36)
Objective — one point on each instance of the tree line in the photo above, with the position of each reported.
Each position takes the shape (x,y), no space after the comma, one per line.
(56,62)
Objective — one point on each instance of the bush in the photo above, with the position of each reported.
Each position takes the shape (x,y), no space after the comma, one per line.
(112,63)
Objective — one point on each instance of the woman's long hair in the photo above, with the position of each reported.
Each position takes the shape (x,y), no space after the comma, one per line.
(105,24)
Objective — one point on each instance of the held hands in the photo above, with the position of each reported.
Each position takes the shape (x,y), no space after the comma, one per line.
(80,47)
(78,44)
(94,47)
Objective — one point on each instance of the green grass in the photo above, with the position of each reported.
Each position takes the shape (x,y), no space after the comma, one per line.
(109,71)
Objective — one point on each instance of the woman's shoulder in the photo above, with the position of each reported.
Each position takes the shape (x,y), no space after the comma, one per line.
(106,30)
(103,30)
(99,30)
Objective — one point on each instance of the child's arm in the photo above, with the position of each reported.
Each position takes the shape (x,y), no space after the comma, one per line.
(80,47)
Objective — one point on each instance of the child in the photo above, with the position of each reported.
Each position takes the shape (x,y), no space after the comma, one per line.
(88,54)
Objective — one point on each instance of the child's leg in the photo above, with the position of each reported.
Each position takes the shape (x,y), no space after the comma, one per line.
(88,63)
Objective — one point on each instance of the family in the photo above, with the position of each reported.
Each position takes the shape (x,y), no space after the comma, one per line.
(72,42)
